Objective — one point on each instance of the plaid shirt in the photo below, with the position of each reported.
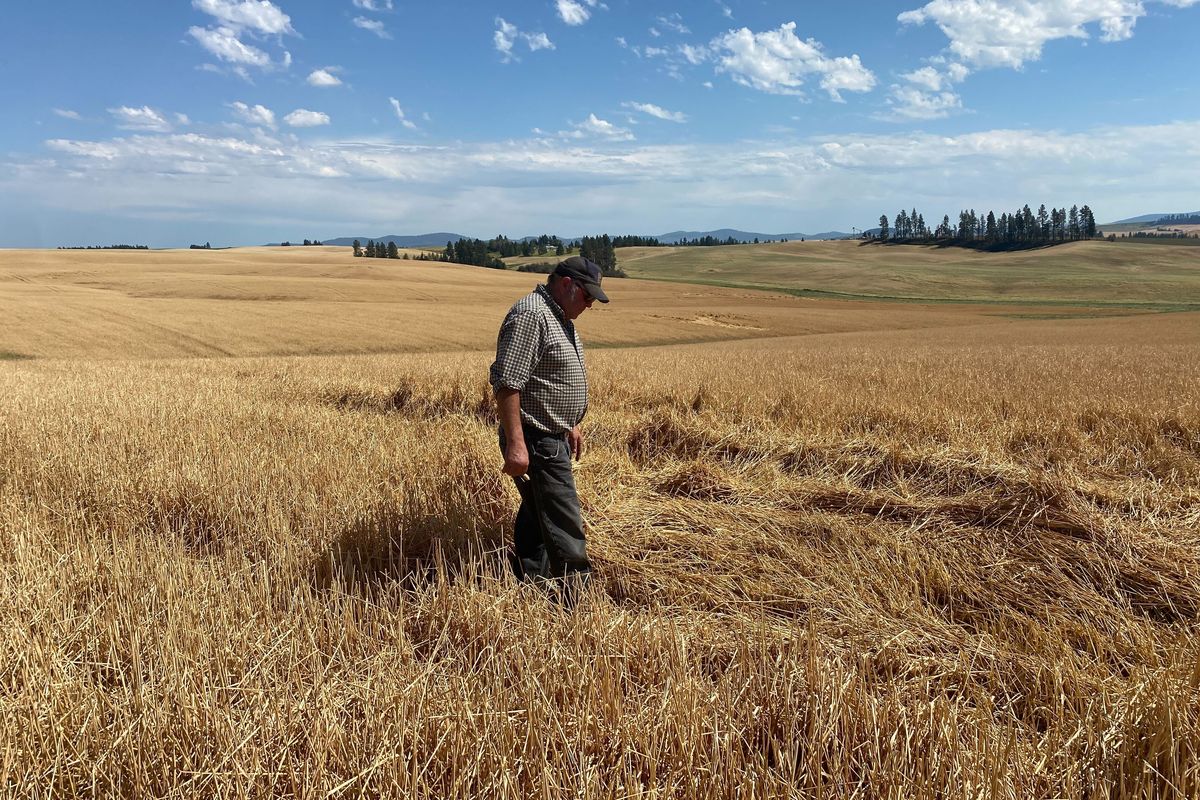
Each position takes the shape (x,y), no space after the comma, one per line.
(539,354)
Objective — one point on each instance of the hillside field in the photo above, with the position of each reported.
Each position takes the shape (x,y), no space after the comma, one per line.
(1094,273)
(252,528)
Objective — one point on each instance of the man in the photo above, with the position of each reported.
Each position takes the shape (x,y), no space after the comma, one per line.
(540,383)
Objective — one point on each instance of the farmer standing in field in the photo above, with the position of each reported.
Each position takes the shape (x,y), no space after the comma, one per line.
(541,389)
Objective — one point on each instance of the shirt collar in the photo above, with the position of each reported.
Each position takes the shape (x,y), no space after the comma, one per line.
(550,301)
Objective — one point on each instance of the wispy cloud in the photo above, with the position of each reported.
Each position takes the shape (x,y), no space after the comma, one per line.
(507,35)
(594,127)
(674,22)
(408,123)
(324,77)
(373,25)
(140,119)
(376,6)
(779,62)
(303,118)
(255,115)
(224,44)
(66,113)
(611,183)
(656,111)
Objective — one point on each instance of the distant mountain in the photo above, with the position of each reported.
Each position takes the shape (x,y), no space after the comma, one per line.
(1150,217)
(440,239)
(745,236)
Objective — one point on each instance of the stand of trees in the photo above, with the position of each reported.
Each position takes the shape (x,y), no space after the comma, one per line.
(1017,229)
(480,253)
(109,247)
(1178,219)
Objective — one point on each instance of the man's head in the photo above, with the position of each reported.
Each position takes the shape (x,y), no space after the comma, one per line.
(575,283)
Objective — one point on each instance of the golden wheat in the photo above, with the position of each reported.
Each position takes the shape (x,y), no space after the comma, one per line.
(952,562)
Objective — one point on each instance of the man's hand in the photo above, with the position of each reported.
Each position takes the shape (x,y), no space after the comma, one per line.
(516,458)
(575,439)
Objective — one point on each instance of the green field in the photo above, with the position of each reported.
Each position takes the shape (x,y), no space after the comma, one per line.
(1091,273)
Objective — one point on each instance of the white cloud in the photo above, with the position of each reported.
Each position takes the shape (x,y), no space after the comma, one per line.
(260,16)
(255,115)
(911,102)
(674,22)
(182,119)
(506,37)
(324,77)
(928,77)
(553,183)
(224,44)
(778,62)
(1008,33)
(726,11)
(657,111)
(539,41)
(140,119)
(574,12)
(376,6)
(400,114)
(303,118)
(594,126)
(694,55)
(373,25)
(66,113)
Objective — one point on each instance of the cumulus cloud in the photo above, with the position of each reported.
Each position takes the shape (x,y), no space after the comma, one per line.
(234,21)
(67,113)
(574,12)
(373,25)
(324,77)
(140,119)
(303,118)
(376,6)
(260,16)
(400,114)
(255,115)
(1008,33)
(657,111)
(779,62)
(507,35)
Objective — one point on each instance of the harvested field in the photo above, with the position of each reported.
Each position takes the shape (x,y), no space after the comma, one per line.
(875,551)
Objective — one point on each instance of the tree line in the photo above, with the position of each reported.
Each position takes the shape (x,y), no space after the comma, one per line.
(1178,219)
(108,247)
(1019,228)
(490,253)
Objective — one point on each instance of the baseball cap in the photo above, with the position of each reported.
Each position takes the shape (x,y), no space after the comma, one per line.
(585,272)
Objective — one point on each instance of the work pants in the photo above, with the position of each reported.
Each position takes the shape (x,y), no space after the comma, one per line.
(548,540)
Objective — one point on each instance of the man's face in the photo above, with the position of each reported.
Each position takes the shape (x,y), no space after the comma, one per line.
(577,301)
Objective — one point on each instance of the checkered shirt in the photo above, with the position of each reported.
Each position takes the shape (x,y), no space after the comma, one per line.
(539,354)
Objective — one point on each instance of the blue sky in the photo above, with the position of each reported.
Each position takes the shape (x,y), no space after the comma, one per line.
(247,121)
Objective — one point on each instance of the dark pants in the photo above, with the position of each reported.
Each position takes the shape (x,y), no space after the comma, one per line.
(548,540)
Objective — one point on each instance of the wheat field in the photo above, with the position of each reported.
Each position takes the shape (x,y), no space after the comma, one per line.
(842,550)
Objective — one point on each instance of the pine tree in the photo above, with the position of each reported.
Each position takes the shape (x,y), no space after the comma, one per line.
(392,250)
(883,229)
(357,249)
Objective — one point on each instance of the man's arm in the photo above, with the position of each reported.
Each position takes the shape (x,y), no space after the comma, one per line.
(516,456)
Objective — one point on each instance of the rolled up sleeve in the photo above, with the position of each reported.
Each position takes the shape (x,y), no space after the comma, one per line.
(518,347)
